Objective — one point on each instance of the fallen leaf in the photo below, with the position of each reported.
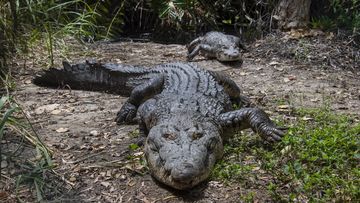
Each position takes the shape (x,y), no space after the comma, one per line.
(121,177)
(273,63)
(215,184)
(285,150)
(46,108)
(55,112)
(330,36)
(62,130)
(108,173)
(105,184)
(131,183)
(3,194)
(315,100)
(292,77)
(306,118)
(286,80)
(283,106)
(138,153)
(278,68)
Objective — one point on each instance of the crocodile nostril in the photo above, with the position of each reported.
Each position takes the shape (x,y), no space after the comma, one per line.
(188,165)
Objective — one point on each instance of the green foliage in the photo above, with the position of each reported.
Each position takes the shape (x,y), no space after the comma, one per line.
(24,22)
(195,14)
(317,159)
(338,13)
(7,112)
(13,125)
(133,147)
(323,23)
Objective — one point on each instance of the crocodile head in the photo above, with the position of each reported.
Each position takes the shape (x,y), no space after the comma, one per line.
(228,54)
(181,156)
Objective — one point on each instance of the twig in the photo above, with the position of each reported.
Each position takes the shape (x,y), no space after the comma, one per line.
(83,158)
(63,178)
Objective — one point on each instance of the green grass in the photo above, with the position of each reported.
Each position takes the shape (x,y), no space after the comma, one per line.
(316,161)
(14,125)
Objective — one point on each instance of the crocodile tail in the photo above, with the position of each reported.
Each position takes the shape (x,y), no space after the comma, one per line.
(92,76)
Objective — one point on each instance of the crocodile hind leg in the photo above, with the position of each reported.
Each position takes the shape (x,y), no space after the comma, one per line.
(232,89)
(139,95)
(253,118)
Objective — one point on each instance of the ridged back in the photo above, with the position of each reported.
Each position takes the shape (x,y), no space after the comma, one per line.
(195,85)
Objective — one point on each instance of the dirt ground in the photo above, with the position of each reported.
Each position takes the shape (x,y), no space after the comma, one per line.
(92,153)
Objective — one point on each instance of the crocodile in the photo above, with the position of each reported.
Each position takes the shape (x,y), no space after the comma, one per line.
(216,45)
(185,113)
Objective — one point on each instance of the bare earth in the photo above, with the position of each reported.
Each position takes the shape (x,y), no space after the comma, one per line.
(92,153)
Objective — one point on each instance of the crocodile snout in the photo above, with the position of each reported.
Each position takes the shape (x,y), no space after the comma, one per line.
(184,173)
(229,55)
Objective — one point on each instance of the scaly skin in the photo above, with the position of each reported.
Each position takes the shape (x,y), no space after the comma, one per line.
(216,45)
(183,112)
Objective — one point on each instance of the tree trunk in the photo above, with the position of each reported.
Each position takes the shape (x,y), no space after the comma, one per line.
(293,14)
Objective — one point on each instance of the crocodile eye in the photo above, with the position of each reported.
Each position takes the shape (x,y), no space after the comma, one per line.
(197,135)
(212,144)
(169,136)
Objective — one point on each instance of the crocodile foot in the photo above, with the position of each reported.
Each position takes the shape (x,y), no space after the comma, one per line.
(126,115)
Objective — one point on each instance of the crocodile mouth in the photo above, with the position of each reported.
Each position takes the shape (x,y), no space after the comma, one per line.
(228,57)
(183,182)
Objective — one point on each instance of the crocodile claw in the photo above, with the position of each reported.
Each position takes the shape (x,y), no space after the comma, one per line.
(271,133)
(126,115)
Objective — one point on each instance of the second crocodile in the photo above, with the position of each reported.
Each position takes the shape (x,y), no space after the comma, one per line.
(216,45)
(185,113)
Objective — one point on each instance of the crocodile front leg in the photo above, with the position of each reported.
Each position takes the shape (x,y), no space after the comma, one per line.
(139,95)
(201,47)
(194,43)
(253,118)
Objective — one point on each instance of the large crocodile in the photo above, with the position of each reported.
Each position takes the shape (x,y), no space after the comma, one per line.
(216,45)
(184,111)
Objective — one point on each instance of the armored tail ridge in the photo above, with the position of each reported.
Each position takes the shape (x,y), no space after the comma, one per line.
(93,76)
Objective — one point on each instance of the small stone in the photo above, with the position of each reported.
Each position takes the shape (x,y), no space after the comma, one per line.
(123,177)
(94,133)
(292,77)
(72,179)
(4,164)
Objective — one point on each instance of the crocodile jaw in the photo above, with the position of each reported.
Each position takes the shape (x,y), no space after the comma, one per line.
(231,54)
